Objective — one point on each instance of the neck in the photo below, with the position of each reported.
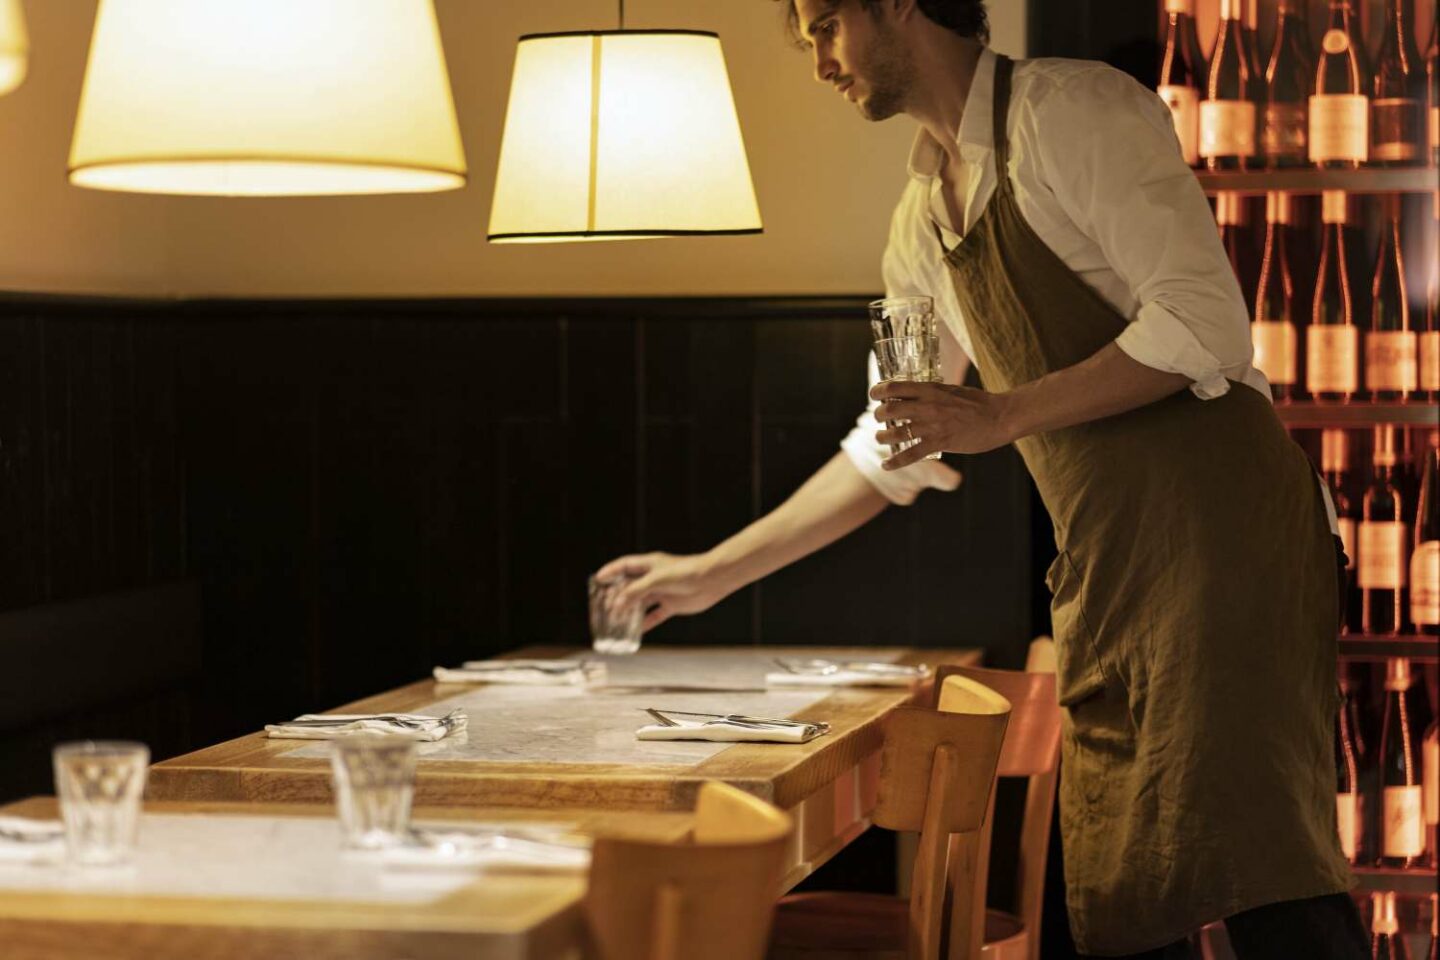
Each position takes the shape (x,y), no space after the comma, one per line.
(944,70)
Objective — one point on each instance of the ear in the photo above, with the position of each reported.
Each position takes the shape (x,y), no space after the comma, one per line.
(903,9)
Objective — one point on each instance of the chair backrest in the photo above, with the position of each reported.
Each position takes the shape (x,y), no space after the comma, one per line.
(1031,750)
(711,899)
(937,770)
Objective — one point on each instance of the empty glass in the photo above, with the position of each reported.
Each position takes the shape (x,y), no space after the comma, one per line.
(614,628)
(374,779)
(99,784)
(909,358)
(902,317)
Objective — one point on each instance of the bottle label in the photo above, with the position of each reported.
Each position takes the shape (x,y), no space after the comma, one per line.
(1429,373)
(1425,584)
(1390,360)
(1347,537)
(1339,127)
(1284,130)
(1345,816)
(1404,833)
(1396,124)
(1332,359)
(1275,350)
(1382,555)
(1227,128)
(1184,104)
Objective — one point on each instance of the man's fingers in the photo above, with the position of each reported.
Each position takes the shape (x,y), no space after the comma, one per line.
(657,615)
(905,410)
(628,566)
(905,390)
(906,457)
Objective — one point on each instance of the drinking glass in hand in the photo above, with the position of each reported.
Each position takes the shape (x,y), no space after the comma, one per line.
(99,784)
(374,778)
(614,628)
(915,359)
(902,317)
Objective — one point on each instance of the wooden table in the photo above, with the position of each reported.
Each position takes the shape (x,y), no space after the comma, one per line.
(828,785)
(502,917)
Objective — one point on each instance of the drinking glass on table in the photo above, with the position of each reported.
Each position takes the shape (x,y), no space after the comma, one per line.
(374,778)
(915,358)
(99,784)
(614,628)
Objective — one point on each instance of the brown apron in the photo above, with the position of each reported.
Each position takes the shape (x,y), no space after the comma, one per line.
(1194,615)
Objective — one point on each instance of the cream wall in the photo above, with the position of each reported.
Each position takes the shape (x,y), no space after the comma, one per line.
(826,182)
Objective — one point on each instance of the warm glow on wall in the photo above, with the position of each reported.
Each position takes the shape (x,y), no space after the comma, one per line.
(266,98)
(621,134)
(14,45)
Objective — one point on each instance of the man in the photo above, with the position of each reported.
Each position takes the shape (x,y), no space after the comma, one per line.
(1074,260)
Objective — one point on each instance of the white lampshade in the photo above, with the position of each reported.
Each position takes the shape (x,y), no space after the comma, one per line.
(619,135)
(14,45)
(266,98)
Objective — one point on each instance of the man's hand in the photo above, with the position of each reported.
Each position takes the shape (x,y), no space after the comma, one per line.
(667,584)
(942,417)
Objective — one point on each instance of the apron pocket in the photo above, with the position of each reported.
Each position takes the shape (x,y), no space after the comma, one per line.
(1079,674)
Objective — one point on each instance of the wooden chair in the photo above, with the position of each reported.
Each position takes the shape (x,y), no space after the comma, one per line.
(937,771)
(711,900)
(1031,750)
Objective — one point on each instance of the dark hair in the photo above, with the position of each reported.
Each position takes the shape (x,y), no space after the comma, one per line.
(965,17)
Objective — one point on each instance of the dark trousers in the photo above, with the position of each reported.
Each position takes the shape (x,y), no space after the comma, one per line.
(1319,928)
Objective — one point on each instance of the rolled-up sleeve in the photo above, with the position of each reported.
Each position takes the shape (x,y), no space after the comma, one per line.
(1119,175)
(901,486)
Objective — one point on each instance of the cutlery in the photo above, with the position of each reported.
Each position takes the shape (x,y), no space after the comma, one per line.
(758,723)
(827,667)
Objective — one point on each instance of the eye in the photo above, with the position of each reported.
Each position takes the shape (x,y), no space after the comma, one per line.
(829,27)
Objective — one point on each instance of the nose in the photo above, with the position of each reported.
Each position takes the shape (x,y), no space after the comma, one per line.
(826,69)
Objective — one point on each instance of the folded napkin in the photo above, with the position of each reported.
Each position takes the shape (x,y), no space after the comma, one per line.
(23,840)
(728,729)
(826,673)
(328,726)
(529,848)
(531,672)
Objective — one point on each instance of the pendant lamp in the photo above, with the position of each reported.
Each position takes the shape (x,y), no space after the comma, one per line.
(14,46)
(621,134)
(266,98)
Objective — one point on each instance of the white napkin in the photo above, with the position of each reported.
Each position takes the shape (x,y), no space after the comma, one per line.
(23,840)
(328,726)
(531,672)
(821,673)
(725,732)
(529,848)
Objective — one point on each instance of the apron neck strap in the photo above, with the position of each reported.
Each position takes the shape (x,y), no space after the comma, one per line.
(1004,68)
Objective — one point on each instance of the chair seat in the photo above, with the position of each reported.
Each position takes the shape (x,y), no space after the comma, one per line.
(872,925)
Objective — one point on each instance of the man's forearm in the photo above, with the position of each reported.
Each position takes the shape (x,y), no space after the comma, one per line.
(1107,383)
(834,501)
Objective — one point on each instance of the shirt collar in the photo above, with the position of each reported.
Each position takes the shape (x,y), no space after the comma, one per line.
(976,136)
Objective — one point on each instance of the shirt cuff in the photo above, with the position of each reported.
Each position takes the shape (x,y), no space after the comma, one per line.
(1160,340)
(902,486)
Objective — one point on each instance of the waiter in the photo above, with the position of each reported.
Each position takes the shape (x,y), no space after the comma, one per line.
(1075,262)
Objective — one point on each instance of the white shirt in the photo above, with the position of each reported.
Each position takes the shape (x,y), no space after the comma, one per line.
(1098,175)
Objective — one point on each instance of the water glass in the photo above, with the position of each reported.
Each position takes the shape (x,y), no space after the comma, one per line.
(99,784)
(614,628)
(374,779)
(909,358)
(902,317)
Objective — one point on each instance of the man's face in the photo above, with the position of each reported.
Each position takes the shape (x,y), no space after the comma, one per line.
(859,53)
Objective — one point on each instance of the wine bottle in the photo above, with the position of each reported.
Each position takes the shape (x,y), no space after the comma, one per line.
(1334,465)
(1339,106)
(1273,331)
(1383,541)
(1425,555)
(1428,375)
(1432,72)
(1390,344)
(1402,834)
(1434,952)
(1182,76)
(1255,92)
(1386,941)
(1288,76)
(1332,341)
(1398,108)
(1430,794)
(1227,114)
(1347,779)
(1232,216)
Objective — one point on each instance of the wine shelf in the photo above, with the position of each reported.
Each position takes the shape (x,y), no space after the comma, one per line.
(1380,180)
(1416,882)
(1359,414)
(1421,649)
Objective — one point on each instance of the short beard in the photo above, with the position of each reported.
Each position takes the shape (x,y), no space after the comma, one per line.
(889,75)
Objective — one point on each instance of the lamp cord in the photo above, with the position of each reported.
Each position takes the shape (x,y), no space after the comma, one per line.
(622,14)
